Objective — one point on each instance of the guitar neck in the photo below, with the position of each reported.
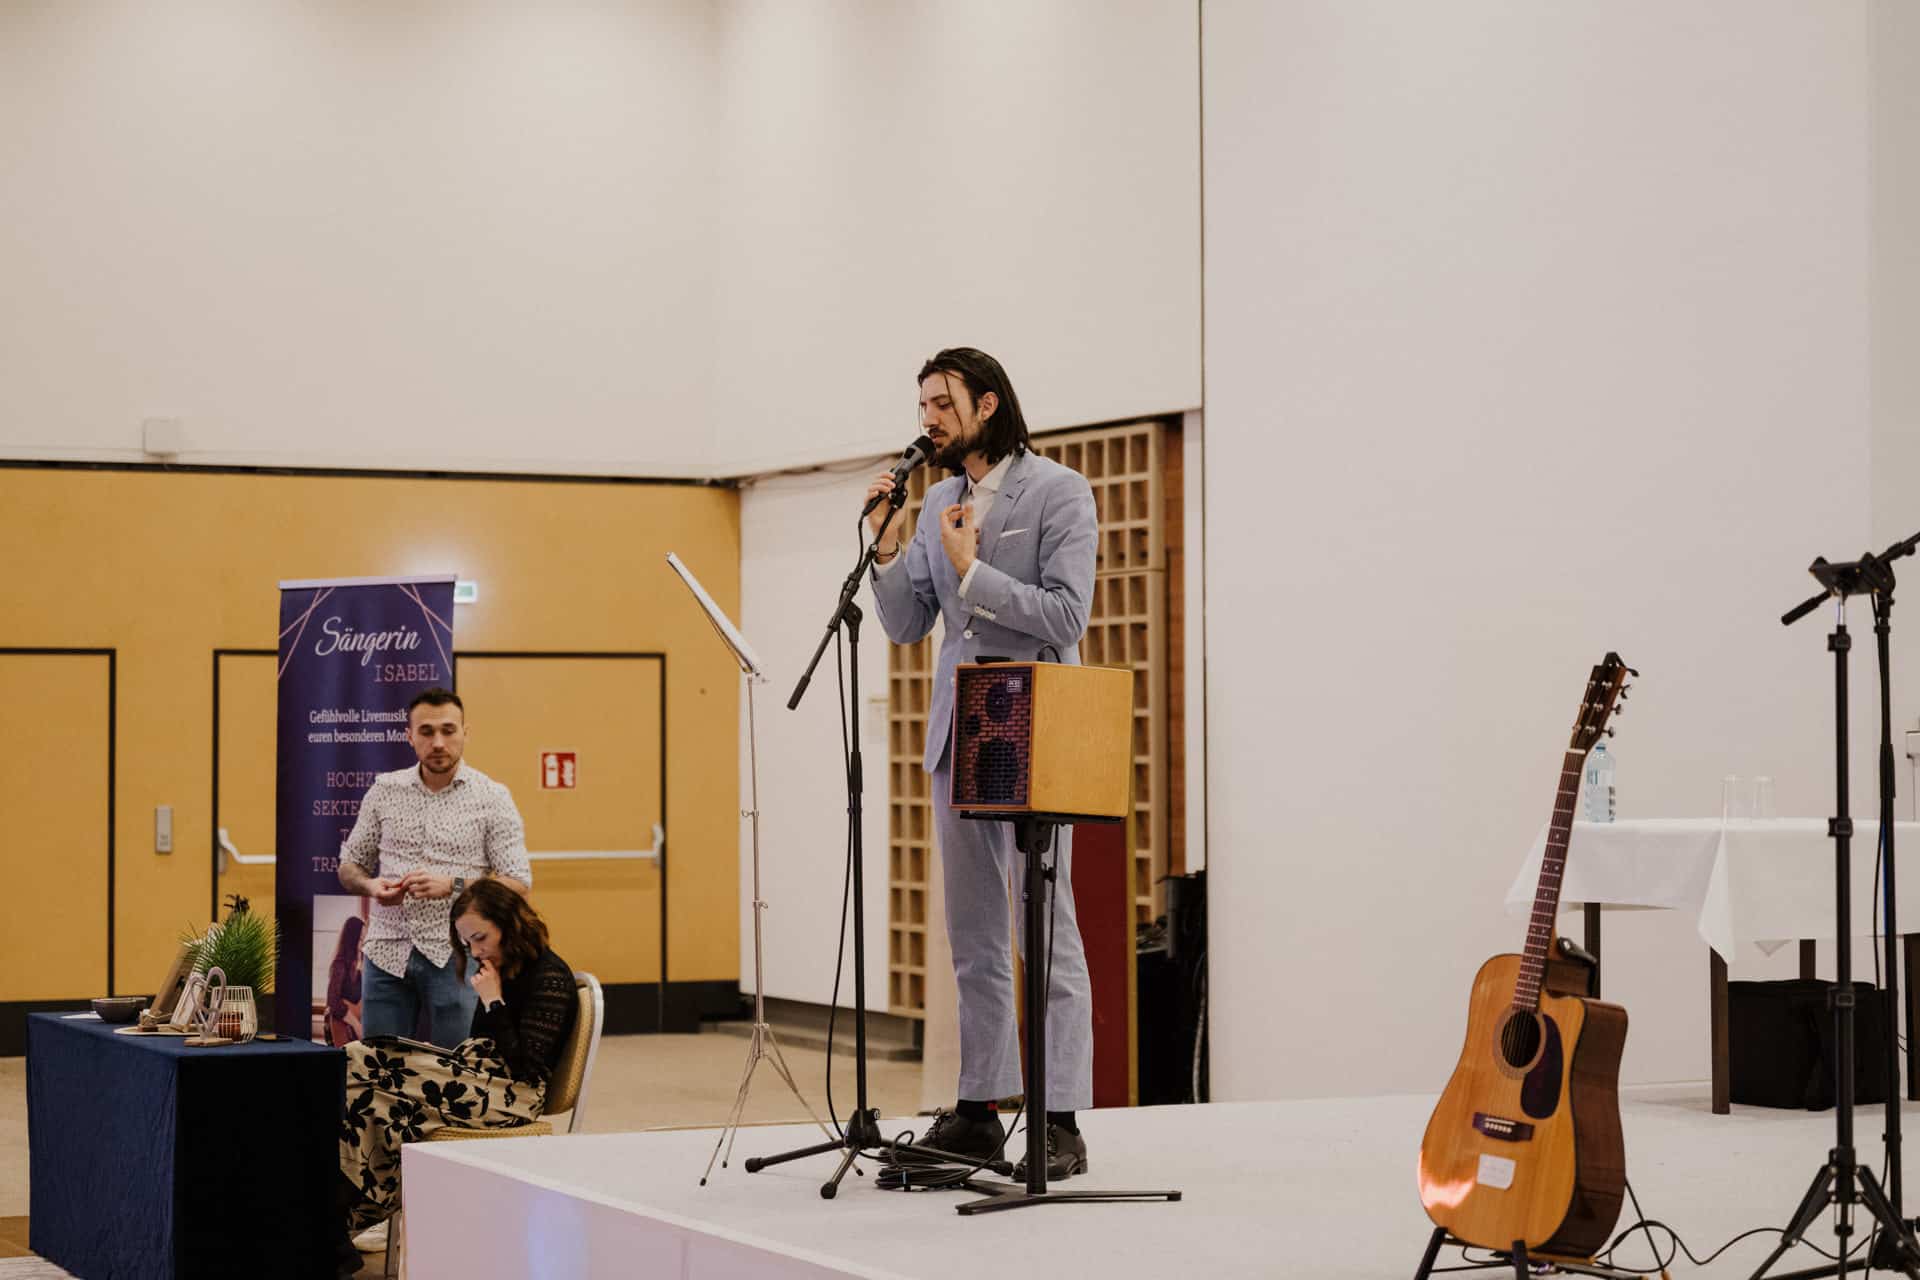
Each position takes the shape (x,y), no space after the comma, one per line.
(1546,898)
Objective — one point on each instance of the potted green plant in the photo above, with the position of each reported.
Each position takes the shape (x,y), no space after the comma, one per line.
(244,947)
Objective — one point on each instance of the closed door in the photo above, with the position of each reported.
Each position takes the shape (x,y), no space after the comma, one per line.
(245,742)
(537,723)
(56,790)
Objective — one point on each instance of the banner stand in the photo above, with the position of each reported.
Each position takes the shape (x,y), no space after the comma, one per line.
(352,653)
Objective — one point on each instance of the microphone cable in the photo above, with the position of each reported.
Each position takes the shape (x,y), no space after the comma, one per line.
(845,713)
(898,1176)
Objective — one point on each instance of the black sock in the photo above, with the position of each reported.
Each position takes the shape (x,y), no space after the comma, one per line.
(1064,1119)
(967,1109)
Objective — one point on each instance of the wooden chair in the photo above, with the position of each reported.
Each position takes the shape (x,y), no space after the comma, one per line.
(566,1092)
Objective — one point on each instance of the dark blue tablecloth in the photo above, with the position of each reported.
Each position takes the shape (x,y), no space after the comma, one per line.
(152,1159)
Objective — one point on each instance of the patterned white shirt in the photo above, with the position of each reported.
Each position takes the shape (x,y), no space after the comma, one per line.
(469,828)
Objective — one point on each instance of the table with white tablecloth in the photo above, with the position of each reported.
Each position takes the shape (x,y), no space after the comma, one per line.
(1753,883)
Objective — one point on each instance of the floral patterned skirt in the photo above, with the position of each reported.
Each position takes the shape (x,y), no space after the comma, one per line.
(398,1094)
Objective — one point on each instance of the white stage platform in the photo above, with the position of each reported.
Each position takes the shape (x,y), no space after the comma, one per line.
(1320,1188)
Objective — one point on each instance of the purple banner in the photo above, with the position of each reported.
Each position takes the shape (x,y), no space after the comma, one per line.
(353,651)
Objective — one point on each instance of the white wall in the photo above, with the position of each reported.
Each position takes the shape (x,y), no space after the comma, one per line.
(1896,338)
(441,235)
(664,237)
(902,177)
(796,547)
(899,178)
(1487,282)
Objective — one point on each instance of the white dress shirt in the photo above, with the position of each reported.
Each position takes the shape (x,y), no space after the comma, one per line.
(980,496)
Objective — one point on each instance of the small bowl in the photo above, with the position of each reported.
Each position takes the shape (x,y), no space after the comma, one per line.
(119,1008)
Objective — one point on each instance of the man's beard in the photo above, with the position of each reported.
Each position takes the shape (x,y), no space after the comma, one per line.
(952,456)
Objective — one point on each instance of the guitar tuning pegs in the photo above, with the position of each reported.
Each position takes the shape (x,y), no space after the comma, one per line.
(1609,733)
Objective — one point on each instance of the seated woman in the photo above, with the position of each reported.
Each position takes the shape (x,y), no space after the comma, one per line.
(398,1091)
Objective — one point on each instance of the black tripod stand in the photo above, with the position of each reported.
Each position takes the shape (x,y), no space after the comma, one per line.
(861,1135)
(1033,836)
(1843,1180)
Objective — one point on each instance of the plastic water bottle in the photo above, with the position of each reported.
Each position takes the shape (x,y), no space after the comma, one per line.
(1598,804)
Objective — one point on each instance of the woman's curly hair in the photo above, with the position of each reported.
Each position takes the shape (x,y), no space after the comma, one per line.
(523,934)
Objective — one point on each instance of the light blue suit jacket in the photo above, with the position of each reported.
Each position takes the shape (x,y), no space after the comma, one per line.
(1033,588)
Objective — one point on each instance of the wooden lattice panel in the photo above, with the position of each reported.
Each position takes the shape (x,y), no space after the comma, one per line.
(1126,466)
(1127,627)
(910,808)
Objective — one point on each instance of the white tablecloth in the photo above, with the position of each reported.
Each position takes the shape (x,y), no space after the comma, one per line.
(1766,883)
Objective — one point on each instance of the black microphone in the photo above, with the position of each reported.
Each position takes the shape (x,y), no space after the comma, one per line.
(916,453)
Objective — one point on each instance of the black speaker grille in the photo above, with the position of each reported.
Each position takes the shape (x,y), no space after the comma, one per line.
(993,733)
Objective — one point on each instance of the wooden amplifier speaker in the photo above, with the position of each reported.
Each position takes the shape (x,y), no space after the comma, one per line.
(1042,738)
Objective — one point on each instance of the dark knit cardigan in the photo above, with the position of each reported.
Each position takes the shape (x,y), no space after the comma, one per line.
(531,1022)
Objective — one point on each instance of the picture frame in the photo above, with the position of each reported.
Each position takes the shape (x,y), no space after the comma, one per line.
(171,1006)
(167,994)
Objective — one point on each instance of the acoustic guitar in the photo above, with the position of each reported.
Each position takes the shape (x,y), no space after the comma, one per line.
(1524,1145)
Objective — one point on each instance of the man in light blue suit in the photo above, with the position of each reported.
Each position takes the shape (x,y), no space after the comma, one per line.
(1003,555)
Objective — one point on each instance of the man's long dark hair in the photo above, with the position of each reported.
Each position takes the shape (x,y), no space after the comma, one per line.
(1006,431)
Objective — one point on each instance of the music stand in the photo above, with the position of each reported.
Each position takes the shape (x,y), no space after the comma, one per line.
(763,1045)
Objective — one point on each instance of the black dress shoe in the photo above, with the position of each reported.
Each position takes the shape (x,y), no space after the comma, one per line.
(1066,1155)
(953,1133)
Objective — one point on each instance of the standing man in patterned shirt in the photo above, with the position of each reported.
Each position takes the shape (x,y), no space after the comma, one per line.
(423,834)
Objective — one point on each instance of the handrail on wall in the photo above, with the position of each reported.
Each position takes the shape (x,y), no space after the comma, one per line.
(604,855)
(244,859)
(227,851)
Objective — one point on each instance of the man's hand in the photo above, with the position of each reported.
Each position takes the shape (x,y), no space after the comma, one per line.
(486,983)
(422,884)
(882,486)
(960,536)
(387,891)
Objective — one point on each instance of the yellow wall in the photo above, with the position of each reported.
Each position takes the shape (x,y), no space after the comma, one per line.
(53,793)
(166,567)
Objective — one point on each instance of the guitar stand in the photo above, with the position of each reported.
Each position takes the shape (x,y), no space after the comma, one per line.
(1520,1261)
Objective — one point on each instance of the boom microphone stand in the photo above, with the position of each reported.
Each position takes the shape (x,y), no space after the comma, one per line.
(1843,1180)
(862,1131)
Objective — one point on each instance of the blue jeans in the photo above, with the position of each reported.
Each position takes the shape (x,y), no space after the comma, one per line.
(391,1006)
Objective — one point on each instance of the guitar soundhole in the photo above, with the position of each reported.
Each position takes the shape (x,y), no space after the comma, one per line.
(1520,1039)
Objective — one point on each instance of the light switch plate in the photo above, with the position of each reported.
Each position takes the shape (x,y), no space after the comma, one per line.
(163,828)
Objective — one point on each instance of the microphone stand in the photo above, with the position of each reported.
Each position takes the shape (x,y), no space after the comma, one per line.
(861,1135)
(1842,1179)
